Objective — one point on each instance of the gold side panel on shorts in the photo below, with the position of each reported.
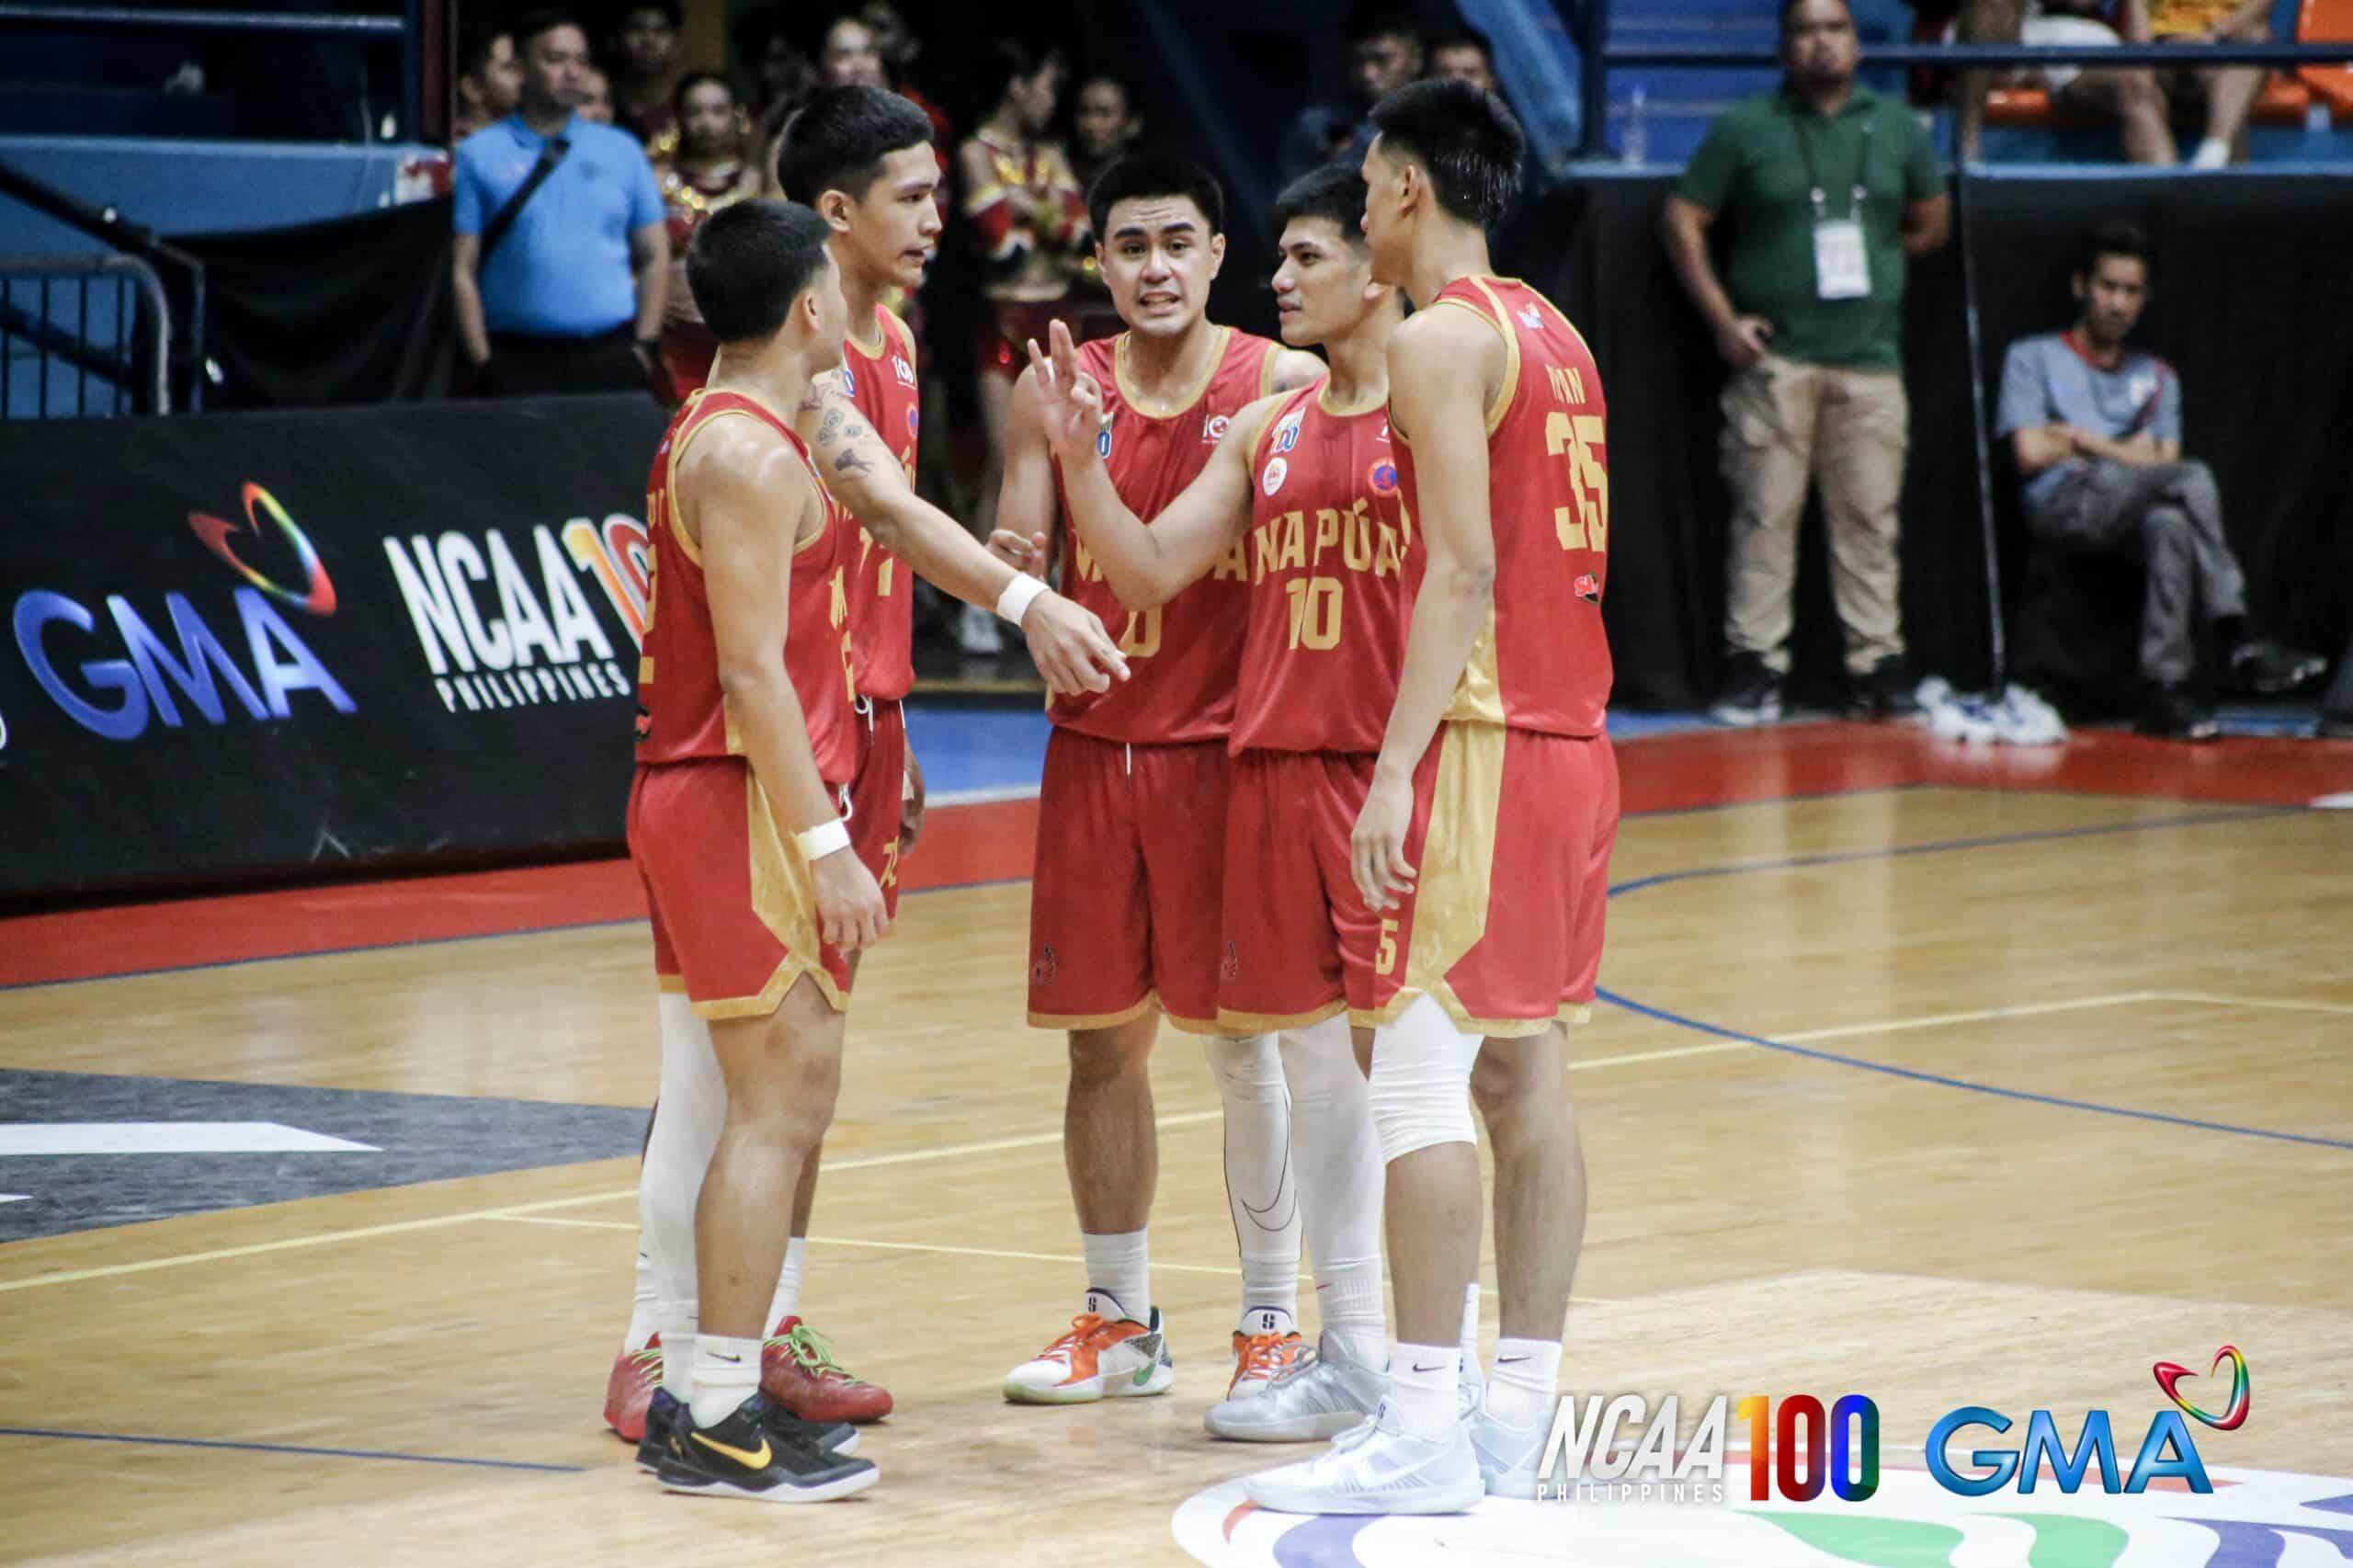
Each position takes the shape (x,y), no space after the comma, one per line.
(785,899)
(1479,695)
(1458,854)
(1094,1020)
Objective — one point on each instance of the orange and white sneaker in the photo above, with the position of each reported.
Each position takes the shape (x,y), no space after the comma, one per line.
(1105,1355)
(799,1372)
(1265,1347)
(636,1374)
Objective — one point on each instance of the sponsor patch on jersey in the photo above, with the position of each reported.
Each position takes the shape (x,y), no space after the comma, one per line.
(904,371)
(1532,318)
(1103,437)
(1287,433)
(1382,477)
(1213,429)
(912,421)
(1276,473)
(849,379)
(1588,588)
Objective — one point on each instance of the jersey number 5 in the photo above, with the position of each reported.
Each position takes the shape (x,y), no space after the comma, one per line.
(1584,525)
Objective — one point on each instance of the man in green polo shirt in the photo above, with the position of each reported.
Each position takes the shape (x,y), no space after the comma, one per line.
(1826,189)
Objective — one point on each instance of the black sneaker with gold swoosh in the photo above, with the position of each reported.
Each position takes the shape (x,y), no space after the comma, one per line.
(835,1438)
(743,1456)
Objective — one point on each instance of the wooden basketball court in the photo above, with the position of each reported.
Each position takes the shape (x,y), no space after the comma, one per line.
(1947,1077)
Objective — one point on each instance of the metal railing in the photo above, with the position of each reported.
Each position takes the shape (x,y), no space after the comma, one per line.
(156,270)
(1597,56)
(138,377)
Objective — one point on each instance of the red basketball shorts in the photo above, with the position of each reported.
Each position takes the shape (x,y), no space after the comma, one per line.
(877,794)
(1300,944)
(1124,908)
(1510,838)
(735,913)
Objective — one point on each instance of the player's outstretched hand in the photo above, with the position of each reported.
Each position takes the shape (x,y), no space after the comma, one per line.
(1377,849)
(849,903)
(1070,403)
(1070,646)
(1022,555)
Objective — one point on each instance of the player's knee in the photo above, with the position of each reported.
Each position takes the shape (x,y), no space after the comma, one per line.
(1421,1083)
(1101,1056)
(1246,1069)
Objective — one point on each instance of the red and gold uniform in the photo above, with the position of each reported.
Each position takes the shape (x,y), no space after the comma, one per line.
(688,346)
(1027,217)
(734,914)
(884,388)
(1326,642)
(1131,843)
(1516,801)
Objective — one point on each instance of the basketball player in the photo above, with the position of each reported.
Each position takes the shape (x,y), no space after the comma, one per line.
(1125,908)
(1483,845)
(1304,482)
(862,156)
(746,738)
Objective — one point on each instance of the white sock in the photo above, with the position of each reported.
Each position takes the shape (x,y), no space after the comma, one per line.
(1423,1383)
(727,1372)
(1119,1265)
(1471,1329)
(786,1303)
(2213,153)
(642,1325)
(675,1320)
(1260,1189)
(1338,1154)
(1525,1389)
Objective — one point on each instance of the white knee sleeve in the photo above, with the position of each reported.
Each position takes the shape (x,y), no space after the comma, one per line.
(687,1123)
(1421,1080)
(1336,1151)
(1260,1187)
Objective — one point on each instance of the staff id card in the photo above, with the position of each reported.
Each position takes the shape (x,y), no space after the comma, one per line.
(1841,270)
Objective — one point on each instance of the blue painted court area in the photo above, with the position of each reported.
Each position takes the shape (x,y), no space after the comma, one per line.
(1001,751)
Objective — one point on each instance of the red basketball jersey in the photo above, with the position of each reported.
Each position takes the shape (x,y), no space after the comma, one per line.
(1328,598)
(681,713)
(881,590)
(1542,662)
(1183,656)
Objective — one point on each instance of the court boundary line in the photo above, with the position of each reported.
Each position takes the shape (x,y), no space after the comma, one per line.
(292,1448)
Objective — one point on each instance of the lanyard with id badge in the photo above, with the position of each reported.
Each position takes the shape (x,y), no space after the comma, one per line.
(1841,268)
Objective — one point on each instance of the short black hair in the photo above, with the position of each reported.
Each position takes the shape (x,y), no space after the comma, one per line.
(838,138)
(1383,21)
(671,10)
(749,261)
(1465,38)
(1464,137)
(1154,172)
(1789,5)
(531,24)
(1007,61)
(1334,191)
(2120,237)
(475,48)
(693,79)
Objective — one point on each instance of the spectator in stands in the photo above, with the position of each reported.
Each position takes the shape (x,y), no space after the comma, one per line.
(849,56)
(490,83)
(1384,53)
(645,73)
(560,264)
(2096,429)
(1025,214)
(782,70)
(1104,128)
(709,170)
(1464,57)
(2225,92)
(899,48)
(597,97)
(2129,95)
(1826,190)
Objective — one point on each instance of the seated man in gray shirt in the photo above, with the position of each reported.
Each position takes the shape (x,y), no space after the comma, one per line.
(2096,429)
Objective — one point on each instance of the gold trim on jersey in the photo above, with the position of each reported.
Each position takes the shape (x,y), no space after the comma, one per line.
(1479,695)
(644,668)
(1267,363)
(1094,1020)
(1137,401)
(1323,397)
(784,896)
(1511,346)
(1230,1022)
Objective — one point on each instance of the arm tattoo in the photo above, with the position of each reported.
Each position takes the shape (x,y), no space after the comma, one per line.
(850,461)
(833,424)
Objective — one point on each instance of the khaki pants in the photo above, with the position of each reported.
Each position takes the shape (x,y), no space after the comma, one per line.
(1786,424)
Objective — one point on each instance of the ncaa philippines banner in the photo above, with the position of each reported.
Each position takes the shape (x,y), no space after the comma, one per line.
(250,645)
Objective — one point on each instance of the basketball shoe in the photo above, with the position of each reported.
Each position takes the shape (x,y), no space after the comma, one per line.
(742,1457)
(1509,1458)
(1105,1355)
(1320,1393)
(1376,1468)
(837,1438)
(1263,1347)
(636,1374)
(797,1371)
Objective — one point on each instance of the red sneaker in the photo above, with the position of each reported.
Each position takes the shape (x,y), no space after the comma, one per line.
(799,1372)
(636,1374)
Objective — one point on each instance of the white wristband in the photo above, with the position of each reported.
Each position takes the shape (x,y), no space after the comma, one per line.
(1019,593)
(823,839)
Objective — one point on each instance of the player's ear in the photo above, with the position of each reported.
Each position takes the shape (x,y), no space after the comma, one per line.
(1217,254)
(833,206)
